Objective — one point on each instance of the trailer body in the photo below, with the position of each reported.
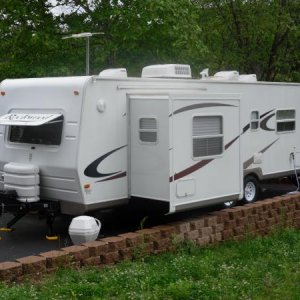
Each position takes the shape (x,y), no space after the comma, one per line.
(99,141)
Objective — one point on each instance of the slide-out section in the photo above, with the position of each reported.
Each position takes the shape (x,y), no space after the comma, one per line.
(206,150)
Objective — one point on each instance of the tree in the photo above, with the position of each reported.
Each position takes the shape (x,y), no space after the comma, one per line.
(30,39)
(253,36)
(137,33)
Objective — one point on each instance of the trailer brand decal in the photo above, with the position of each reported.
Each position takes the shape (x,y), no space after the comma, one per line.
(201,105)
(91,169)
(250,161)
(19,119)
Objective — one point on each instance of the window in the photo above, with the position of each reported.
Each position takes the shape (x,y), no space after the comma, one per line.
(148,130)
(285,120)
(207,136)
(254,121)
(46,134)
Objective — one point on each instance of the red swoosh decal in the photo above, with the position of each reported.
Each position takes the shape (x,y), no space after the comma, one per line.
(190,170)
(123,174)
(198,165)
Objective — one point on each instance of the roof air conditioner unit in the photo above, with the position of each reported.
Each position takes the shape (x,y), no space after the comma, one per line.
(167,71)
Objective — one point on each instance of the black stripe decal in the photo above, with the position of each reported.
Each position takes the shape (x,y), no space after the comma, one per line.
(263,123)
(247,127)
(263,115)
(91,169)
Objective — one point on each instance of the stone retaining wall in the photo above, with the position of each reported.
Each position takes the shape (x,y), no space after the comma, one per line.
(228,224)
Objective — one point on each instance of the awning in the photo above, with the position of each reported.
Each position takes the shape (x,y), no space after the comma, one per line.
(27,119)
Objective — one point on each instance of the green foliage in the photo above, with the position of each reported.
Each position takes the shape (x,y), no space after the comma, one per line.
(261,268)
(137,33)
(143,221)
(29,39)
(260,37)
(251,36)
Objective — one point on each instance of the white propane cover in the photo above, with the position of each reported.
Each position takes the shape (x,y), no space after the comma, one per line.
(24,179)
(84,229)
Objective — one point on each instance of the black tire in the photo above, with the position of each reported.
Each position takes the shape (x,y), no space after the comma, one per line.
(251,189)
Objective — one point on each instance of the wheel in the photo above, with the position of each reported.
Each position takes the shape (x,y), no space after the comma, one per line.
(251,189)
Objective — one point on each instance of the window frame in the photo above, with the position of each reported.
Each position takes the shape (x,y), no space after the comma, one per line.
(22,144)
(252,121)
(148,130)
(208,136)
(285,120)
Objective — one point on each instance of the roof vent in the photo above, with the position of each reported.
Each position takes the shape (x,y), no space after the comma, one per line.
(167,71)
(204,73)
(226,75)
(117,73)
(248,78)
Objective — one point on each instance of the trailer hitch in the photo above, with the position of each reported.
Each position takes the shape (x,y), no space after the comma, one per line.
(10,204)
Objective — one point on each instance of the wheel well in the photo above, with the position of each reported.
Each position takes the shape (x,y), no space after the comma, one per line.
(253,175)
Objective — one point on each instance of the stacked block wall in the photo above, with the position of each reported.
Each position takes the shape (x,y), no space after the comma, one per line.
(228,224)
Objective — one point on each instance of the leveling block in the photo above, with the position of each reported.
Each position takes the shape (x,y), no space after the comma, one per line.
(5,229)
(52,237)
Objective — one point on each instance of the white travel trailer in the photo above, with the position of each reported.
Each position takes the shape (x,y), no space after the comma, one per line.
(76,144)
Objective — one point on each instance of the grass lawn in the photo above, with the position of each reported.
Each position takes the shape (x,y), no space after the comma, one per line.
(260,268)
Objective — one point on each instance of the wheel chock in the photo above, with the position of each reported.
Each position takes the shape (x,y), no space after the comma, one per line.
(52,237)
(5,229)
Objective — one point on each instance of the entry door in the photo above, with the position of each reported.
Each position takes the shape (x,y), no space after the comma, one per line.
(149,147)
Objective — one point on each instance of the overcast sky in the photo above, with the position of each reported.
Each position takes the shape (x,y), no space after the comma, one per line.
(59,9)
